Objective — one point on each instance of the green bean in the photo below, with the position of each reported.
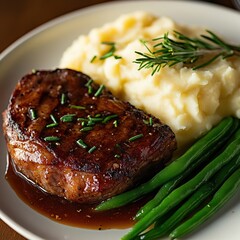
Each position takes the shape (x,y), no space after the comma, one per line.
(162,193)
(206,144)
(165,190)
(225,192)
(162,230)
(164,226)
(181,193)
(170,186)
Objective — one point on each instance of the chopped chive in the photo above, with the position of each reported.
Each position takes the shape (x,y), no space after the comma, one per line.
(77,107)
(107,118)
(93,120)
(135,137)
(99,91)
(54,124)
(90,121)
(96,119)
(146,121)
(90,89)
(111,51)
(88,85)
(82,119)
(107,55)
(81,143)
(68,118)
(63,98)
(98,115)
(51,125)
(33,113)
(85,129)
(117,57)
(53,118)
(89,82)
(92,149)
(51,139)
(150,121)
(93,58)
(117,156)
(115,123)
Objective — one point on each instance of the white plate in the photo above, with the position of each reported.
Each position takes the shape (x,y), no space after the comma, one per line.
(42,49)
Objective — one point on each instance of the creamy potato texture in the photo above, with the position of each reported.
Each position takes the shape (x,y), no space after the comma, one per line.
(189,101)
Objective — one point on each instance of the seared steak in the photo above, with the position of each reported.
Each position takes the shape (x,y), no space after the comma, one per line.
(76,140)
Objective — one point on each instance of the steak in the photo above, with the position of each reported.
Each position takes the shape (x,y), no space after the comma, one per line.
(74,139)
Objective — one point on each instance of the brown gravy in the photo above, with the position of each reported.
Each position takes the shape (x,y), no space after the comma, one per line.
(65,212)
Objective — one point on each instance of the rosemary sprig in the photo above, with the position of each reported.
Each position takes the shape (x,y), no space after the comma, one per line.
(186,50)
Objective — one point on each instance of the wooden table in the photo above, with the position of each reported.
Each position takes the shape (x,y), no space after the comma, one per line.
(19,17)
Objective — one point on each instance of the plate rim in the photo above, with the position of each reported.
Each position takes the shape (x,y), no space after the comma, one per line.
(57,21)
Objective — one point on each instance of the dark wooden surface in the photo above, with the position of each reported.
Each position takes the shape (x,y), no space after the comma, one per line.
(21,16)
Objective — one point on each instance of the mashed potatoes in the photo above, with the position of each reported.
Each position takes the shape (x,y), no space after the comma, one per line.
(189,101)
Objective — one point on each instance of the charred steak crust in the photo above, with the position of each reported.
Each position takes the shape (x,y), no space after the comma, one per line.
(90,155)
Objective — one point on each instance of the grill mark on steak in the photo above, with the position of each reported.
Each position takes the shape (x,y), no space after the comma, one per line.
(63,167)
